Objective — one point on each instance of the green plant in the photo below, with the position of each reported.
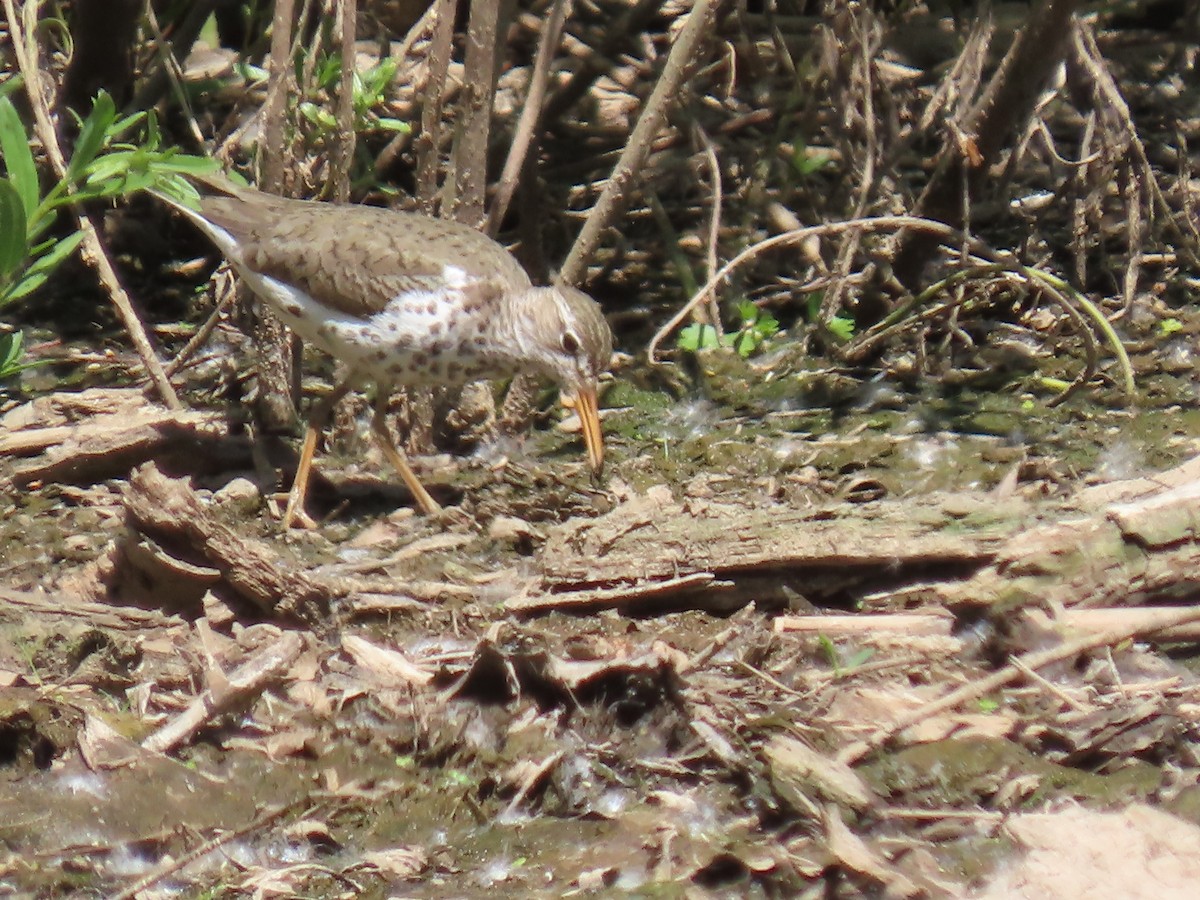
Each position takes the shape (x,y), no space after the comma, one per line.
(806,162)
(101,166)
(833,656)
(11,347)
(756,327)
(841,327)
(370,92)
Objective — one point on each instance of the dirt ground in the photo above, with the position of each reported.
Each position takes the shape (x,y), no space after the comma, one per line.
(871,648)
(877,618)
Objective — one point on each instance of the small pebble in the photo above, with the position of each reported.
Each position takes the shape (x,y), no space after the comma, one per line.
(239,492)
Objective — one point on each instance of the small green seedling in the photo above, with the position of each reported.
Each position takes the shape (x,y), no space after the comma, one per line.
(756,327)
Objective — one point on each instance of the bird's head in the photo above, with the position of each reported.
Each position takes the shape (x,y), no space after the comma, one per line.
(566,338)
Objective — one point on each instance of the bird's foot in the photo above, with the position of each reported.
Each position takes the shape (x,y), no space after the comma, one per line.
(294,515)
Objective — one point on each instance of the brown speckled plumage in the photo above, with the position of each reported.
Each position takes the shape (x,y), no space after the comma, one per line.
(403,298)
(380,253)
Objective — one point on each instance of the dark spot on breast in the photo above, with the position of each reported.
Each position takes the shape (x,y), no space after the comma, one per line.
(420,360)
(293,309)
(380,355)
(436,328)
(431,307)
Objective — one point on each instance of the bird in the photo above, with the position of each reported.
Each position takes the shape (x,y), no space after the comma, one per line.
(401,299)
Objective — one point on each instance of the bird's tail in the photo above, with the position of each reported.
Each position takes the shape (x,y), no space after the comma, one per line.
(185,194)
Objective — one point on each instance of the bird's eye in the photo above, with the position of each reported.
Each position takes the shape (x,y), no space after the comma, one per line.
(570,343)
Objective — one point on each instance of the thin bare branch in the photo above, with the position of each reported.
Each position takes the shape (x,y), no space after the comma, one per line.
(680,62)
(24,43)
(527,124)
(347,13)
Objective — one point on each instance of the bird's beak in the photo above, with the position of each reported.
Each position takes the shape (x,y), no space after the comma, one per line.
(587,406)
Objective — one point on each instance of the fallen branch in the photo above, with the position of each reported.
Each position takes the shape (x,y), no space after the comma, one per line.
(243,685)
(1013,673)
(168,513)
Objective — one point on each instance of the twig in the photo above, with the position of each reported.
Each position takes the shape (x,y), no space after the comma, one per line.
(1011,673)
(278,352)
(176,865)
(714,222)
(428,140)
(347,13)
(421,28)
(624,31)
(880,223)
(531,114)
(468,170)
(227,292)
(1005,106)
(1108,96)
(245,683)
(1048,686)
(1054,288)
(680,60)
(831,304)
(25,45)
(274,106)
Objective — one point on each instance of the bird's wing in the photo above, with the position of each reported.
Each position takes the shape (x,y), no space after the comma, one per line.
(379,254)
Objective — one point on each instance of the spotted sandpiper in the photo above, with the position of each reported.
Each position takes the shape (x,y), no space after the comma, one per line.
(404,299)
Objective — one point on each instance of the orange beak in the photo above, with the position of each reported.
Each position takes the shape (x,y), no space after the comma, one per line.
(587,407)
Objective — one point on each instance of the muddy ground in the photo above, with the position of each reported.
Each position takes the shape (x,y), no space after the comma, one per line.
(815,633)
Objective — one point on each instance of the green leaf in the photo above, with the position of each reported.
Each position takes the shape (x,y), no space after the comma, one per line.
(109,166)
(179,189)
(805,163)
(92,135)
(122,125)
(18,159)
(48,262)
(46,258)
(748,311)
(322,118)
(251,74)
(1168,327)
(812,306)
(13,246)
(185,164)
(329,71)
(830,651)
(745,342)
(397,125)
(11,347)
(136,181)
(11,85)
(23,288)
(860,657)
(841,327)
(697,337)
(766,325)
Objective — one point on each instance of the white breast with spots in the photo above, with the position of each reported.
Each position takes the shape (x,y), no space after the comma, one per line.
(385,348)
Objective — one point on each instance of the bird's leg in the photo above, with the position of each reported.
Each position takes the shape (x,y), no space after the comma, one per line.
(395,456)
(317,420)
